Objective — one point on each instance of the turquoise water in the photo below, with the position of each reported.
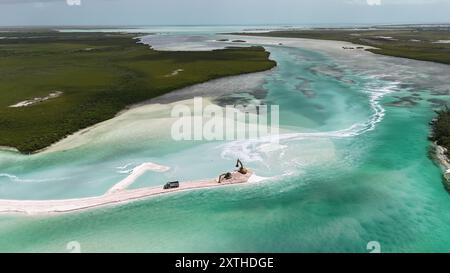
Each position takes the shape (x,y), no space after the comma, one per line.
(351,168)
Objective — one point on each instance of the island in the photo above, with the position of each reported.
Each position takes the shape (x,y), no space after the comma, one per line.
(426,43)
(55,83)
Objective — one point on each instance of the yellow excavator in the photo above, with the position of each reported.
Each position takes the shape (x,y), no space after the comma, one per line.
(239,165)
(241,170)
(225,176)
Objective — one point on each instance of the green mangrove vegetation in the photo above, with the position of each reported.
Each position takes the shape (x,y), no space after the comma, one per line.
(53,84)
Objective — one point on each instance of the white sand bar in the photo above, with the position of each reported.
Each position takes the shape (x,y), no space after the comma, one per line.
(118,196)
(135,174)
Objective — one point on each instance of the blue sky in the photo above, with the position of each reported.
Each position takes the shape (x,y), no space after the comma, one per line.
(208,12)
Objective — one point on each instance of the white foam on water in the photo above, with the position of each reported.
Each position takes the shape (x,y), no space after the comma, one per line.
(15,178)
(256,179)
(124,166)
(253,150)
(125,171)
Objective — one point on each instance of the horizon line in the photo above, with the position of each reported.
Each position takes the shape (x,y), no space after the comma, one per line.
(225,25)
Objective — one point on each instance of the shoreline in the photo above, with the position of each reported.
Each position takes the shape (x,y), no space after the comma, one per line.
(164,99)
(115,196)
(439,136)
(326,46)
(160,105)
(444,161)
(170,97)
(102,101)
(9,149)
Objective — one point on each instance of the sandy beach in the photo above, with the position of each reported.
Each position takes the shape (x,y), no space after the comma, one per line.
(442,158)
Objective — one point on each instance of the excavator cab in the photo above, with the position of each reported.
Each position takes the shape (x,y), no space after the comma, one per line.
(239,165)
(225,176)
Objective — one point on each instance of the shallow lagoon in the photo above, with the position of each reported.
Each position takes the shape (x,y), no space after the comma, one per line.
(351,168)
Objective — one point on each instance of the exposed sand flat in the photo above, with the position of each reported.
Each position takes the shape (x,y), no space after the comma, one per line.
(8,149)
(118,196)
(442,42)
(135,174)
(152,119)
(327,46)
(174,73)
(26,103)
(388,38)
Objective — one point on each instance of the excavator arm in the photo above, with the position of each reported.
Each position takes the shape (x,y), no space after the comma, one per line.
(239,165)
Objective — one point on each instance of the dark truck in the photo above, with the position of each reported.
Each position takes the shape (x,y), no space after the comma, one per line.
(172,185)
